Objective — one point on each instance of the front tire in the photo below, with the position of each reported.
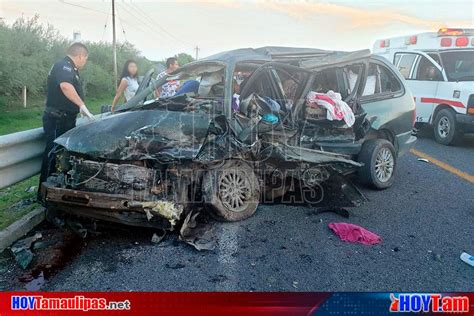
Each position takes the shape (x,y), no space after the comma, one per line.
(446,130)
(232,191)
(379,159)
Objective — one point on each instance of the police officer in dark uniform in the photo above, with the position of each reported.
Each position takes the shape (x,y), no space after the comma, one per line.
(64,100)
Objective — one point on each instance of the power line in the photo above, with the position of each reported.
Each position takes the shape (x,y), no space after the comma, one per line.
(139,18)
(146,25)
(130,23)
(171,35)
(105,27)
(121,25)
(82,7)
(153,25)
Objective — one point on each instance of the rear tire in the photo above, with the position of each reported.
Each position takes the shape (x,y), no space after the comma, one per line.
(446,130)
(232,192)
(379,159)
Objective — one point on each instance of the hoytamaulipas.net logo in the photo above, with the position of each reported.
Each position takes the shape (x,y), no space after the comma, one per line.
(75,303)
(436,303)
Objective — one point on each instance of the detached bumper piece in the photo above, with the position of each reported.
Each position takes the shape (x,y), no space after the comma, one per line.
(113,207)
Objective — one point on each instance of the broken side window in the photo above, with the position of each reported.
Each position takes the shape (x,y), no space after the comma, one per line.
(352,75)
(380,80)
(292,85)
(326,80)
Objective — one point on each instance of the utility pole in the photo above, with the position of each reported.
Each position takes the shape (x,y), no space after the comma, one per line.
(114,44)
(197,52)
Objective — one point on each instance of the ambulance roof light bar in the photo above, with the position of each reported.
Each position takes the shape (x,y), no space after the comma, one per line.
(454,32)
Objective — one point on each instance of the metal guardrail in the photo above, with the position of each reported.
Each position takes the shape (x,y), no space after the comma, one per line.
(21,154)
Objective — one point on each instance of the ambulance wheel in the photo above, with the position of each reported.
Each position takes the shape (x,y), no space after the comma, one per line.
(231,192)
(379,159)
(446,131)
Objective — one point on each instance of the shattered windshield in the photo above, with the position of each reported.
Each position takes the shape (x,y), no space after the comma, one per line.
(196,81)
(201,81)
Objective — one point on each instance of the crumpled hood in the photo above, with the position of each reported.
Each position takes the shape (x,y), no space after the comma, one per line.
(137,135)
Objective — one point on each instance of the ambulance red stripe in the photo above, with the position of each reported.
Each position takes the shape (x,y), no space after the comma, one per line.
(457,104)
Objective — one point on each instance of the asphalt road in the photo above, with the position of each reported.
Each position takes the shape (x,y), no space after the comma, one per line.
(425,221)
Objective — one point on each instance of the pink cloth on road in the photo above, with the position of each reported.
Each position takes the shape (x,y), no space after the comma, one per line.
(354,233)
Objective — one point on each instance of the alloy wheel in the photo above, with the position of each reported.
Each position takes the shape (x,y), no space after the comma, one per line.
(384,163)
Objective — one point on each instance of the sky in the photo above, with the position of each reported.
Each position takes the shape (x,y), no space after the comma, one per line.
(160,29)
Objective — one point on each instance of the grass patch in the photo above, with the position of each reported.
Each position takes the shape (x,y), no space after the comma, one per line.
(15,118)
(15,201)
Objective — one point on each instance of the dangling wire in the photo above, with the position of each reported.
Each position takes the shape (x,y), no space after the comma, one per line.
(105,27)
(121,25)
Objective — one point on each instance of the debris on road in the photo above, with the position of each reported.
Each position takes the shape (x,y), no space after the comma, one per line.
(196,232)
(467,258)
(156,239)
(423,160)
(437,257)
(77,228)
(22,250)
(48,255)
(353,233)
(337,210)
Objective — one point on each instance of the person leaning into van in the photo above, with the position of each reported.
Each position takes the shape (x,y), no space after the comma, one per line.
(128,84)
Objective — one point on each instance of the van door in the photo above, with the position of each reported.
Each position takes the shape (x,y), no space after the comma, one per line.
(423,75)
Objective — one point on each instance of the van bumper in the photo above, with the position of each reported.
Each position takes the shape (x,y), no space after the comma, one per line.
(405,142)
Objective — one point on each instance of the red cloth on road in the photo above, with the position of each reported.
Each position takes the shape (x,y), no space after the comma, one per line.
(354,233)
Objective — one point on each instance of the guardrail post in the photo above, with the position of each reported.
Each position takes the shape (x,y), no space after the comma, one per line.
(24,96)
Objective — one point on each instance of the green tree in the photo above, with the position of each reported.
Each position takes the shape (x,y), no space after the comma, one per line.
(28,49)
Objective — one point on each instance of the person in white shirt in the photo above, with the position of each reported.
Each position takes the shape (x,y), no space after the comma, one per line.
(128,83)
(170,88)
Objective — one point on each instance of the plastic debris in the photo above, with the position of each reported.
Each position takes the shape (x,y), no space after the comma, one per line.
(156,239)
(196,233)
(21,250)
(353,233)
(31,189)
(467,258)
(423,160)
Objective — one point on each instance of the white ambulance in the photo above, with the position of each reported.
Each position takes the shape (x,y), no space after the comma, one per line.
(439,69)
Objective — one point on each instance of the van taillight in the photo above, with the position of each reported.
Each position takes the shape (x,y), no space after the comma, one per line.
(462,41)
(446,42)
(413,39)
(470,105)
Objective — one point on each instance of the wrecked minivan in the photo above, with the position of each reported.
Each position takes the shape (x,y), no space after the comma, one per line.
(246,126)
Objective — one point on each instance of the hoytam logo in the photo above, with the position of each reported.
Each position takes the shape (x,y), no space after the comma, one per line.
(75,303)
(435,303)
